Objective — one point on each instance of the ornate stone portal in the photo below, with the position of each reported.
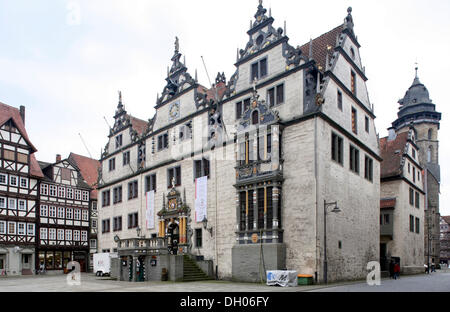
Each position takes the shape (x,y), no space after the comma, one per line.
(174,222)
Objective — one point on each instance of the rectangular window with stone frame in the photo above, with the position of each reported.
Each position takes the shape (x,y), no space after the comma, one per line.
(354,159)
(417,201)
(126,158)
(133,190)
(201,168)
(163,141)
(339,100)
(150,183)
(174,173)
(354,120)
(106,198)
(112,164)
(133,220)
(198,238)
(117,195)
(258,69)
(411,196)
(337,148)
(368,169)
(275,95)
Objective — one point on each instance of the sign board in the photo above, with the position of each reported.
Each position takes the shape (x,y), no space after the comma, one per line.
(282,278)
(201,195)
(150,205)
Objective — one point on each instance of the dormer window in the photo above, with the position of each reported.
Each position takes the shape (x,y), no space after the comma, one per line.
(259,69)
(118,141)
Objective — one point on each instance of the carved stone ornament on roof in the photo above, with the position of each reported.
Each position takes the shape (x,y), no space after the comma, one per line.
(221,78)
(121,119)
(215,126)
(260,15)
(292,55)
(177,77)
(265,114)
(260,39)
(348,22)
(201,99)
(231,86)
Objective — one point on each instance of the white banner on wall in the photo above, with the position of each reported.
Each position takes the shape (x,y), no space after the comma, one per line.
(150,199)
(201,195)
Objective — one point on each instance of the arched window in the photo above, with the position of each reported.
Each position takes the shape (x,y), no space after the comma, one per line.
(430,134)
(429,154)
(255,118)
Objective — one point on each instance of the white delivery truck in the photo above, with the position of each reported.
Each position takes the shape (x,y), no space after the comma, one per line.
(102,264)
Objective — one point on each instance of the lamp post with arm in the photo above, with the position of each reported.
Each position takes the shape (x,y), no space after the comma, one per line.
(325,261)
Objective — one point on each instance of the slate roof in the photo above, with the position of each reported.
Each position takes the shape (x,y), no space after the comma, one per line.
(8,112)
(392,154)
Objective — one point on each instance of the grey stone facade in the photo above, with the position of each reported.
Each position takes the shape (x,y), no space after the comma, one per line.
(281,104)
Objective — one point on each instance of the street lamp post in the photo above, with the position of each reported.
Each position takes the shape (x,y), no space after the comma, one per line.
(325,262)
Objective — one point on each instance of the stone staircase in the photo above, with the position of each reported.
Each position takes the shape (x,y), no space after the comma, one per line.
(191,271)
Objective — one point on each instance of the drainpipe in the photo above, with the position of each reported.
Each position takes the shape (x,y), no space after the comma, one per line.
(317,199)
(215,227)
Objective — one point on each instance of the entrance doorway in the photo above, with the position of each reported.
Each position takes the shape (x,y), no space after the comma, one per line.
(383,257)
(173,237)
(26,264)
(2,263)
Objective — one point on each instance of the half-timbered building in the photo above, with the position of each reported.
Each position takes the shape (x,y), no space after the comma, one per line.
(242,177)
(88,168)
(63,216)
(19,176)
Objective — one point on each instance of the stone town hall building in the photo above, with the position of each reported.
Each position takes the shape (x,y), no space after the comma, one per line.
(288,135)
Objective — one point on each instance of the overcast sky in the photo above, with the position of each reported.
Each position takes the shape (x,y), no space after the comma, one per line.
(66,60)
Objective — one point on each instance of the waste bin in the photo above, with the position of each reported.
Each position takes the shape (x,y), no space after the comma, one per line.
(304,279)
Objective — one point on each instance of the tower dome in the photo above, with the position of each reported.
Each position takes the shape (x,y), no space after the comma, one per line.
(416,106)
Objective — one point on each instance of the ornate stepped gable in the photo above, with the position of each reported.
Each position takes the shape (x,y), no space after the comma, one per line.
(122,120)
(264,39)
(178,79)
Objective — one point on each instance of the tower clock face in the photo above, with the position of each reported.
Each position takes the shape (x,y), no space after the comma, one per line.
(174,111)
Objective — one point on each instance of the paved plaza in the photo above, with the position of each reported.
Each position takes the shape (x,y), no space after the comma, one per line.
(436,282)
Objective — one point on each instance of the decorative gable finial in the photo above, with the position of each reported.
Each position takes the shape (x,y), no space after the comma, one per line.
(177,45)
(120,105)
(348,23)
(260,15)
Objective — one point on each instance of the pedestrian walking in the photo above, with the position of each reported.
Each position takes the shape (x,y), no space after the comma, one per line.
(396,271)
(433,267)
(391,269)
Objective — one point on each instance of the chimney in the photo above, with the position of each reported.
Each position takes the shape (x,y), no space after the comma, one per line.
(22,113)
(58,157)
(392,134)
